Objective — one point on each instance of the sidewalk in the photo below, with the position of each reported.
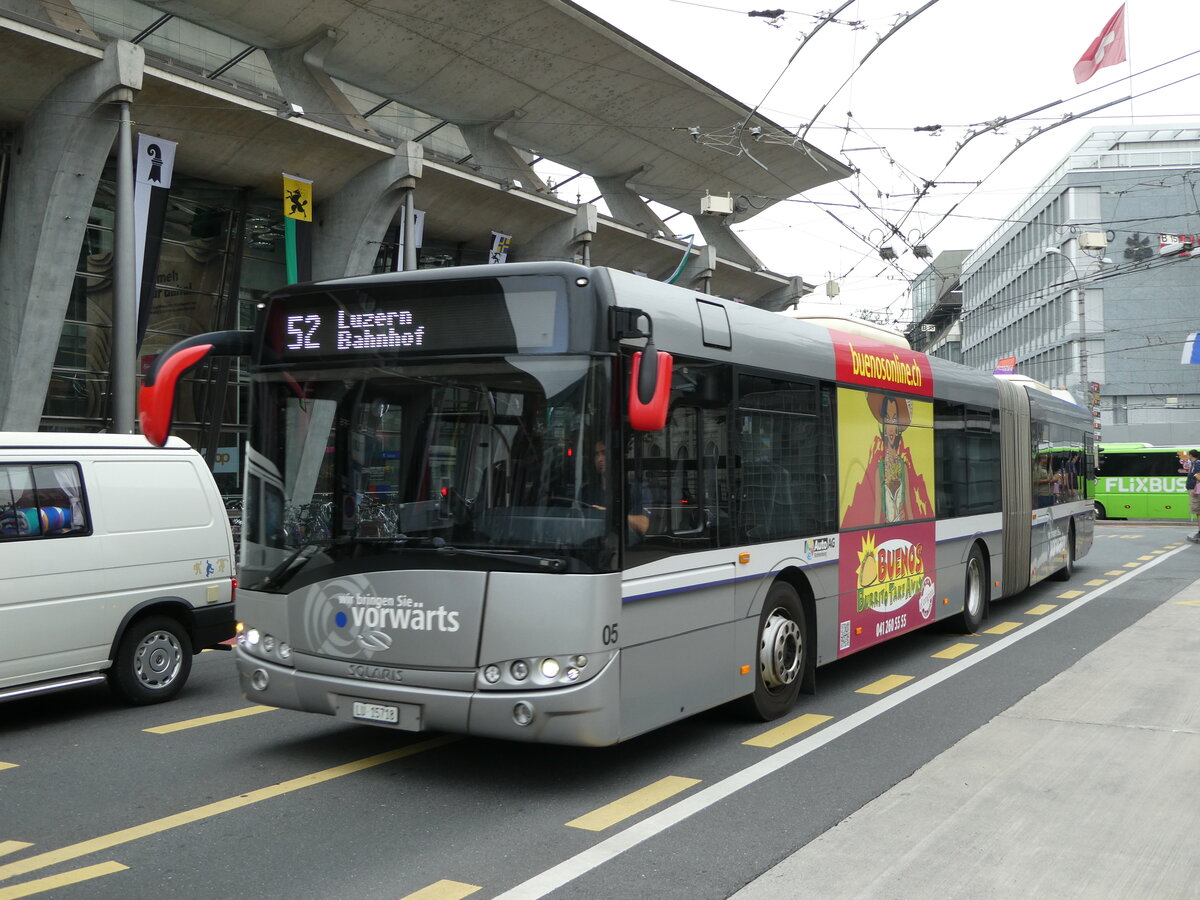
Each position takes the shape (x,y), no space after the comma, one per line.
(1089,787)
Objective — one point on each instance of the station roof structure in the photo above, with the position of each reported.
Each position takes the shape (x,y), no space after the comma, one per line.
(552,79)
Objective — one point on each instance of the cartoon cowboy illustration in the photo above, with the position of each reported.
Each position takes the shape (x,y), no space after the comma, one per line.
(891,490)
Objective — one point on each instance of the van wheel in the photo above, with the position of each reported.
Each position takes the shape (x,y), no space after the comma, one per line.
(781,656)
(153,661)
(975,595)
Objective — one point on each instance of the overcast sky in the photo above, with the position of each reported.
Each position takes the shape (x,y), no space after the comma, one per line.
(958,64)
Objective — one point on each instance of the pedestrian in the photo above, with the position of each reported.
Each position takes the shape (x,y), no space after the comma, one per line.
(1191,467)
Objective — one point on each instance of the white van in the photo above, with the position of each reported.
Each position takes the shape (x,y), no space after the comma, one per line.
(116,562)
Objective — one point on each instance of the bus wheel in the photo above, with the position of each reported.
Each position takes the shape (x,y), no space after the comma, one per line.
(782,654)
(1068,569)
(1101,513)
(975,595)
(153,661)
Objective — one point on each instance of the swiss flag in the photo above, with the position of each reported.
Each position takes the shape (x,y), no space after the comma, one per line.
(1107,49)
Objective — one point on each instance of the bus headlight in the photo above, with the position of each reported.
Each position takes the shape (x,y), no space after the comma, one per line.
(491,674)
(550,667)
(519,670)
(541,672)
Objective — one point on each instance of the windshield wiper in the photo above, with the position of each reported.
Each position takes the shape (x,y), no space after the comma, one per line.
(292,564)
(403,540)
(554,564)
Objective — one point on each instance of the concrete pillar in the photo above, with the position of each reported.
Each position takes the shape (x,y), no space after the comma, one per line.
(566,240)
(700,270)
(626,206)
(351,223)
(300,71)
(56,167)
(497,158)
(728,245)
(783,297)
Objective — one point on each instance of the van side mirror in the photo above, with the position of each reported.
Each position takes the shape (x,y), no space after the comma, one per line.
(650,388)
(156,399)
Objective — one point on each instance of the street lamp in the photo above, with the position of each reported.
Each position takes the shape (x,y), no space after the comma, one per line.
(1081,296)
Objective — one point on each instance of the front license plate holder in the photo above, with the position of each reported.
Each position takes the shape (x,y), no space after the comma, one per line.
(403,716)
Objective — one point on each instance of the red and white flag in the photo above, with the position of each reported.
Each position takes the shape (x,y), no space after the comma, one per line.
(1107,49)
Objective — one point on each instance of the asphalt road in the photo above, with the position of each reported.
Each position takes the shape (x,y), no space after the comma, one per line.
(209,796)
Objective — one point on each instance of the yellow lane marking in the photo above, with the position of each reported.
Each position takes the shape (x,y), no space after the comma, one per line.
(1095,582)
(632,804)
(4,765)
(13,846)
(444,890)
(1041,609)
(1003,628)
(209,720)
(50,882)
(788,730)
(1115,572)
(954,651)
(208,810)
(1132,565)
(1187,602)
(1157,552)
(1071,595)
(1144,558)
(883,685)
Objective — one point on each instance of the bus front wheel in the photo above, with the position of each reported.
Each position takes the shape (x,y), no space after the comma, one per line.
(781,656)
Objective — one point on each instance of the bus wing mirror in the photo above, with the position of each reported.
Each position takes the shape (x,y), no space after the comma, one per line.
(156,399)
(650,389)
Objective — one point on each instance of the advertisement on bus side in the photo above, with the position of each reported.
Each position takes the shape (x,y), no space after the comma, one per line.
(885,584)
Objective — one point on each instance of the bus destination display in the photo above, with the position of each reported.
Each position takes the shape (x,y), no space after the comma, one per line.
(318,326)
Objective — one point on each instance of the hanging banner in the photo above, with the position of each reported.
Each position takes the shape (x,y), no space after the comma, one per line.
(153,166)
(1005,366)
(297,227)
(500,245)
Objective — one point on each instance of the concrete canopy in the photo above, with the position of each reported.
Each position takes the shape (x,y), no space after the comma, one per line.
(550,78)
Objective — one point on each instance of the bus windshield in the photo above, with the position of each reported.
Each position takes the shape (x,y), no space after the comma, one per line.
(462,464)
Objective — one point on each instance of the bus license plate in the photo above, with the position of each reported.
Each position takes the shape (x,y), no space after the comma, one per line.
(375,712)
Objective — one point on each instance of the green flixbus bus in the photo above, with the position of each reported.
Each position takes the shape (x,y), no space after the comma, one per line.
(1139,481)
(537,525)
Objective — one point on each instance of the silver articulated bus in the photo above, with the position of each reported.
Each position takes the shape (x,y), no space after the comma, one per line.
(546,502)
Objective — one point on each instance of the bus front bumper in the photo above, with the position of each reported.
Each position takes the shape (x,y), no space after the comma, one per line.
(586,714)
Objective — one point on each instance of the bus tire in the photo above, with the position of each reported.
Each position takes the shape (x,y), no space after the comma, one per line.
(975,595)
(1101,513)
(1068,569)
(781,654)
(153,661)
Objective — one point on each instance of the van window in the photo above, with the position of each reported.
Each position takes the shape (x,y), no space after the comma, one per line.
(151,495)
(41,500)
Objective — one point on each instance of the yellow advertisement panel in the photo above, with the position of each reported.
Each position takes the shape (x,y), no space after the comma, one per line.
(885,458)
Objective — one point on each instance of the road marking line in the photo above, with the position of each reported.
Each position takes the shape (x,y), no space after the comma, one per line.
(1144,558)
(1041,609)
(788,730)
(883,685)
(1071,595)
(444,890)
(208,810)
(1132,565)
(632,804)
(13,846)
(954,651)
(1157,552)
(1003,628)
(1187,602)
(1095,582)
(591,858)
(4,765)
(209,720)
(50,882)
(1116,572)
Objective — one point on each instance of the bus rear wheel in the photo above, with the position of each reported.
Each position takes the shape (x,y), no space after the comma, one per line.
(1068,569)
(782,654)
(975,595)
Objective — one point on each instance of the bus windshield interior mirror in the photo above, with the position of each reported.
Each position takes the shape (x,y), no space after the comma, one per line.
(156,398)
